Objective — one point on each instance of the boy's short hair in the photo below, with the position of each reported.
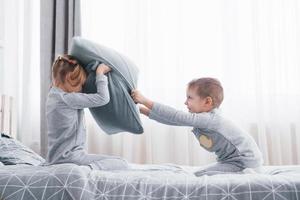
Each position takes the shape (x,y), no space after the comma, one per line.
(208,87)
(65,64)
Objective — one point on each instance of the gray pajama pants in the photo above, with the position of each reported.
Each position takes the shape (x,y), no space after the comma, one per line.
(94,161)
(99,162)
(219,168)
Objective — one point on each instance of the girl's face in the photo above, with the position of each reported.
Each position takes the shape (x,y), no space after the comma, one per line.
(197,104)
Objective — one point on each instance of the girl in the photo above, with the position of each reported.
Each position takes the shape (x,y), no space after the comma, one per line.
(65,115)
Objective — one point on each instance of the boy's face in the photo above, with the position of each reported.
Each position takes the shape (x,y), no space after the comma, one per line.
(197,104)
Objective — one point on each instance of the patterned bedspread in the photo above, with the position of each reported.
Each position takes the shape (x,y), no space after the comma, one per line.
(69,181)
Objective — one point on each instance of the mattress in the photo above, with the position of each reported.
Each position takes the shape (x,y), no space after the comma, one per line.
(168,181)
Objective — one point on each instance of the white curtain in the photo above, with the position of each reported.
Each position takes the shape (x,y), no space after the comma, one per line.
(251,46)
(19,76)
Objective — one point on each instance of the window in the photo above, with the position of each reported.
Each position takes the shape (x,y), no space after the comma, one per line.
(19,65)
(1,41)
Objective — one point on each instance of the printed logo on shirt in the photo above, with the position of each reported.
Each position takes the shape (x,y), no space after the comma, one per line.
(205,141)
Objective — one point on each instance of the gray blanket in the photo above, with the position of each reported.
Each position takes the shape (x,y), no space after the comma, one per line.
(69,181)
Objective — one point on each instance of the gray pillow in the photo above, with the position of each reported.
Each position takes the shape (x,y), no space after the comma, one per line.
(121,113)
(12,152)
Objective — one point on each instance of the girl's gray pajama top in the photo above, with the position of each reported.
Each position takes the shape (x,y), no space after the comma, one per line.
(66,129)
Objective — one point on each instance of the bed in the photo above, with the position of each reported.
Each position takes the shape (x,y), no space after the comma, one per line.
(69,181)
(22,177)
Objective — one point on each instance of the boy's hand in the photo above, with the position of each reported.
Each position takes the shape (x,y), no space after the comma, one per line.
(144,110)
(102,69)
(137,97)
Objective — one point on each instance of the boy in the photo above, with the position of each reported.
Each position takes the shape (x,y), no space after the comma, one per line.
(235,149)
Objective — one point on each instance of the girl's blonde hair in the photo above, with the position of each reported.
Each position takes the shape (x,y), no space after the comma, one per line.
(68,72)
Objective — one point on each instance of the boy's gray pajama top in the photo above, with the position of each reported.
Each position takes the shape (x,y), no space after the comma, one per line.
(66,130)
(235,149)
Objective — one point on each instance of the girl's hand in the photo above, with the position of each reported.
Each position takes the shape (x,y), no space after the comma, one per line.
(102,69)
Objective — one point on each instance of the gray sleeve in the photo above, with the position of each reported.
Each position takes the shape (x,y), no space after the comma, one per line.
(161,120)
(166,114)
(81,100)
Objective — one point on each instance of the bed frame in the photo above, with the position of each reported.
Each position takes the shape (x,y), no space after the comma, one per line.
(6,115)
